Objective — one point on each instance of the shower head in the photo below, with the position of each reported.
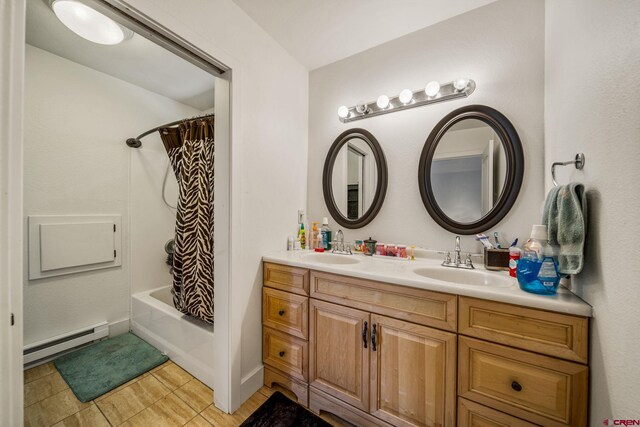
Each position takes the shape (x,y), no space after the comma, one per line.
(134,143)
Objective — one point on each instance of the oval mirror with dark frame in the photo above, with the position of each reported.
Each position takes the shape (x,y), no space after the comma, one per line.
(471,169)
(354,180)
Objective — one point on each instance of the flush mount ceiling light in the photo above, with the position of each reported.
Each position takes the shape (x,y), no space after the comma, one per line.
(433,92)
(89,23)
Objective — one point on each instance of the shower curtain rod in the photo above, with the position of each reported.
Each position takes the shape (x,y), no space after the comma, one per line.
(136,143)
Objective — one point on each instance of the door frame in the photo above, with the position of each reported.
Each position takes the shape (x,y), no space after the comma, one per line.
(12,45)
(12,39)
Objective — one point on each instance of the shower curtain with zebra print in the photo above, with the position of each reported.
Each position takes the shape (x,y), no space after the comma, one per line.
(190,148)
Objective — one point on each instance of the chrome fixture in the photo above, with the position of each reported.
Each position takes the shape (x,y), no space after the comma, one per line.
(578,162)
(339,247)
(136,143)
(457,260)
(432,93)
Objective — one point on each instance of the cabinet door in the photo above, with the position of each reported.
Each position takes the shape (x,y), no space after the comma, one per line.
(338,359)
(413,373)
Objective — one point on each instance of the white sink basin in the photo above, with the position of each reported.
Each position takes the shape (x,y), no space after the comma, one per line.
(465,277)
(324,258)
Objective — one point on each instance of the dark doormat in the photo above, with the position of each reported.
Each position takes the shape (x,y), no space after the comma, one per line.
(98,368)
(279,411)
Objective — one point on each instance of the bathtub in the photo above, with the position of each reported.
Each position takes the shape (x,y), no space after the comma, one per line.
(186,340)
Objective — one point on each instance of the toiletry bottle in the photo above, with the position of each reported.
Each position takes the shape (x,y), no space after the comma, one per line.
(319,242)
(301,236)
(514,256)
(314,235)
(326,233)
(537,269)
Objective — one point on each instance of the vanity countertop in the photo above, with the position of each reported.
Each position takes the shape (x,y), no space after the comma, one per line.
(402,272)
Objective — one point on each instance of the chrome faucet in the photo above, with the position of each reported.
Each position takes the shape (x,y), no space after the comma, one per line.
(457,259)
(339,246)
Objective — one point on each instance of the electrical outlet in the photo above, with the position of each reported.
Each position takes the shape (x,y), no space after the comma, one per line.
(300,217)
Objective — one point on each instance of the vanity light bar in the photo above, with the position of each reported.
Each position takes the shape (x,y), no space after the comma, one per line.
(432,93)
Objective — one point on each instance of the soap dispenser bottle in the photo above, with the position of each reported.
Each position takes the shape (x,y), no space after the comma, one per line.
(326,234)
(537,269)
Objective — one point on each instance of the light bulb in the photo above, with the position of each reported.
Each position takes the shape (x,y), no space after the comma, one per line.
(343,111)
(432,89)
(461,84)
(89,23)
(383,101)
(406,96)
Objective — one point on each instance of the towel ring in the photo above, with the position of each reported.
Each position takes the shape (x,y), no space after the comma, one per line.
(578,162)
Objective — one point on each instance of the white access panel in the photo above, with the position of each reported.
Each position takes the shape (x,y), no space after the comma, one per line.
(60,245)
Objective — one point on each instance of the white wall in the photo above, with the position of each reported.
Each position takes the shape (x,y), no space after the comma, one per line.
(269,99)
(76,163)
(501,47)
(591,106)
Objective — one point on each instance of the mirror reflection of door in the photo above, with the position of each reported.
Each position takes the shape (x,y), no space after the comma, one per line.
(468,171)
(354,178)
(355,181)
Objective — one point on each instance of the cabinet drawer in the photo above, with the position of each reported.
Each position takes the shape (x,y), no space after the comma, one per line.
(285,278)
(286,353)
(530,386)
(401,302)
(554,334)
(471,414)
(285,312)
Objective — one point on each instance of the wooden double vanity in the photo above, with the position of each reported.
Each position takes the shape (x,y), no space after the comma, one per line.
(377,353)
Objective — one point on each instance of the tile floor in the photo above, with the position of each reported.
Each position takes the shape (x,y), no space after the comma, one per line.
(165,396)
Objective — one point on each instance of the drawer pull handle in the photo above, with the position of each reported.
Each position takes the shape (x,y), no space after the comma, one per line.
(374,337)
(281,354)
(516,386)
(281,313)
(364,334)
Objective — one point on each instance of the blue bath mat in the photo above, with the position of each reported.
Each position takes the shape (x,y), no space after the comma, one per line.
(98,368)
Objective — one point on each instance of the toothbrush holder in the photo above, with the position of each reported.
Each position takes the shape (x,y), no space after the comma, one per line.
(496,259)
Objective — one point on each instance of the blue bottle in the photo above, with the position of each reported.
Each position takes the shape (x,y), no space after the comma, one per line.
(326,234)
(538,267)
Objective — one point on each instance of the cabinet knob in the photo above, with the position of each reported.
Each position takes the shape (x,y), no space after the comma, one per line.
(516,386)
(281,354)
(281,313)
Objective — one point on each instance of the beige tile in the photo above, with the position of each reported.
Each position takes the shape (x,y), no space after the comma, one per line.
(164,365)
(173,376)
(90,417)
(43,387)
(127,402)
(268,391)
(198,421)
(53,409)
(218,418)
(170,411)
(39,372)
(196,395)
(120,387)
(250,405)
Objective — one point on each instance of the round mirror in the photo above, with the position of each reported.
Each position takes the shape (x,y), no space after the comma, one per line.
(355,178)
(471,169)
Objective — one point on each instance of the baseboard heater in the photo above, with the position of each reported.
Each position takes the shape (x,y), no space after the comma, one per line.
(55,345)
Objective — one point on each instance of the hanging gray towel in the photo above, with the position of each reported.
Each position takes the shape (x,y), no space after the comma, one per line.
(565,215)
